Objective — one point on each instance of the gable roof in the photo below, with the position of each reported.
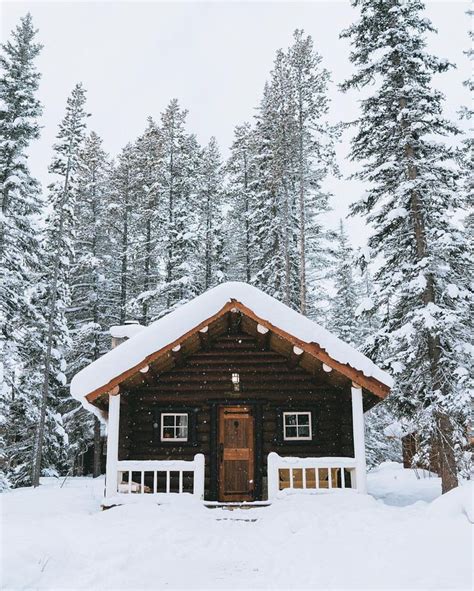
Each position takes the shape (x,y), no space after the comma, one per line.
(115,366)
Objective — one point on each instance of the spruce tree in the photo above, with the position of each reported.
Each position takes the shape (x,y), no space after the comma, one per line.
(122,215)
(89,312)
(314,142)
(272,230)
(240,169)
(59,254)
(292,152)
(149,171)
(411,195)
(181,280)
(345,302)
(19,246)
(211,198)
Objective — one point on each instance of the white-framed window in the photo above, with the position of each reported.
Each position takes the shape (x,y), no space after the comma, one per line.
(174,426)
(297,426)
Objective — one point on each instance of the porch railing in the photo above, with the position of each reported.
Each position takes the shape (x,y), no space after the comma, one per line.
(155,477)
(321,474)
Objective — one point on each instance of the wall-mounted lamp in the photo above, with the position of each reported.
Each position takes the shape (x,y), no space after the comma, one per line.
(236,381)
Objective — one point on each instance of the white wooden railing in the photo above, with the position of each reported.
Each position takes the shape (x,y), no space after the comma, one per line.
(321,474)
(157,477)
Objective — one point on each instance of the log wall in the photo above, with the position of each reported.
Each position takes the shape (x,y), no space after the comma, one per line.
(268,381)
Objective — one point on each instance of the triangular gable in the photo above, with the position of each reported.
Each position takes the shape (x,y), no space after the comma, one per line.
(163,335)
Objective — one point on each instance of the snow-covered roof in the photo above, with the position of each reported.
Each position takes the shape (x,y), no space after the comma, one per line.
(184,319)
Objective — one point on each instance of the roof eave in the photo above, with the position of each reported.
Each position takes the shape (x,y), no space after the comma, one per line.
(369,383)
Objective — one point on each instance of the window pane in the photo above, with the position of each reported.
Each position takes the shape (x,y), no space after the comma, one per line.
(182,420)
(290,419)
(303,431)
(168,432)
(303,419)
(290,432)
(182,432)
(168,419)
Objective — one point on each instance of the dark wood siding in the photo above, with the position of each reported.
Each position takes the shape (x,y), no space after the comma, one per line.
(268,381)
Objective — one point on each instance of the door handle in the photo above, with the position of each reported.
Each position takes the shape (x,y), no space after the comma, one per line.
(221,452)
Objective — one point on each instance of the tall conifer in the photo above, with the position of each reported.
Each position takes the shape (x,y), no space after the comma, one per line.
(411,196)
(20,205)
(59,255)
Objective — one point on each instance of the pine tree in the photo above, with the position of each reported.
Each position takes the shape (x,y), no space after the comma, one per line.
(292,152)
(59,254)
(122,218)
(421,288)
(344,304)
(19,246)
(149,160)
(211,197)
(240,169)
(274,263)
(180,175)
(314,140)
(89,313)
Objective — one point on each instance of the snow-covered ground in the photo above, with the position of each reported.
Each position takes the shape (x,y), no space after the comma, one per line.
(397,538)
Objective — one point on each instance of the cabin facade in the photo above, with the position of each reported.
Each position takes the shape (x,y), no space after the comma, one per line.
(233,397)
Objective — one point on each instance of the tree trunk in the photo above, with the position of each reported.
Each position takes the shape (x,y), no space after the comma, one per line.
(445,453)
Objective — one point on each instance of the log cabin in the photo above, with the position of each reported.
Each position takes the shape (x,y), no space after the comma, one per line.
(233,397)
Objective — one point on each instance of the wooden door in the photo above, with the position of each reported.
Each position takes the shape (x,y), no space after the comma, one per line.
(236,453)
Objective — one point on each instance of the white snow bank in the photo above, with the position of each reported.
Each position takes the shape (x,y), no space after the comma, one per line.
(57,538)
(171,327)
(399,486)
(455,503)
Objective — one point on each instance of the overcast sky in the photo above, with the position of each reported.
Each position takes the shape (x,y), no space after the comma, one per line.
(133,57)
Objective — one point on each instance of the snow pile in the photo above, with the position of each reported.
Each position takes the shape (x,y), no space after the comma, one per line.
(173,326)
(455,503)
(59,539)
(401,487)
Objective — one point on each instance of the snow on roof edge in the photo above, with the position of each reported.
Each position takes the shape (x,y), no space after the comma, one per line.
(174,325)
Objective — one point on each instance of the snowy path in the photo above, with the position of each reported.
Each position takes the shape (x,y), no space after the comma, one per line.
(57,538)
